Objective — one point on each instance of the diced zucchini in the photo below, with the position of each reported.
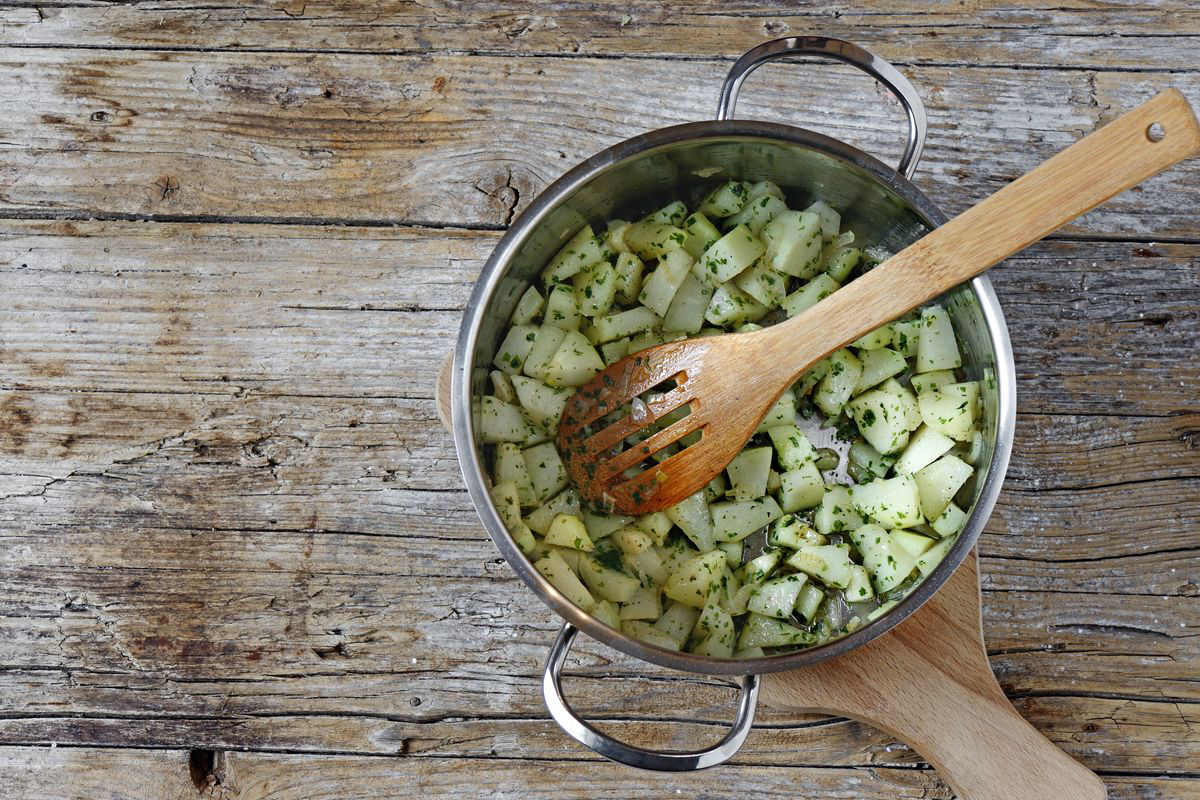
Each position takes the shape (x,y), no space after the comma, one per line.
(951,409)
(671,214)
(654,239)
(760,631)
(601,526)
(809,601)
(567,530)
(950,521)
(894,502)
(842,262)
(691,583)
(735,520)
(838,384)
(756,570)
(625,323)
(702,234)
(937,347)
(612,352)
(827,562)
(763,284)
(777,597)
(504,495)
(628,276)
(906,336)
(614,236)
(878,365)
(793,447)
(933,556)
(502,388)
(656,524)
(514,350)
(574,363)
(887,562)
(565,502)
(914,543)
(869,461)
(646,603)
(859,590)
(677,622)
(562,307)
(939,482)
(725,200)
(912,413)
(793,532)
(555,570)
(545,345)
(731,306)
(661,285)
(546,470)
(645,632)
(693,518)
(809,294)
(607,612)
(932,381)
(748,473)
(793,242)
(528,307)
(925,447)
(733,553)
(509,467)
(783,412)
(728,256)
(836,513)
(686,312)
(605,582)
(544,404)
(582,250)
(757,213)
(881,420)
(501,422)
(880,337)
(831,220)
(801,488)
(596,288)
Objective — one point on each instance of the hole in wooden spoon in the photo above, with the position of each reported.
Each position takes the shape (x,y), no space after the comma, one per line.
(1155,132)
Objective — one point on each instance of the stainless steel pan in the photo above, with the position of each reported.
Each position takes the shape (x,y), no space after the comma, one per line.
(879,203)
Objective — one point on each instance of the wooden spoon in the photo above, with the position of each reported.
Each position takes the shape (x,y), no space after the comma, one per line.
(729,382)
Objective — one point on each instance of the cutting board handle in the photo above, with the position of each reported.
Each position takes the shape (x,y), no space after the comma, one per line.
(929,684)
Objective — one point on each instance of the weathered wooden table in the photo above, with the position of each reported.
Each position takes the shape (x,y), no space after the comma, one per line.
(236,557)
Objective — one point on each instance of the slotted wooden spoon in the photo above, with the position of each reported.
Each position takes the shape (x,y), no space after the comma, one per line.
(729,382)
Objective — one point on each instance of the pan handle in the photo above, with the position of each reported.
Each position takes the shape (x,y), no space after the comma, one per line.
(846,52)
(610,748)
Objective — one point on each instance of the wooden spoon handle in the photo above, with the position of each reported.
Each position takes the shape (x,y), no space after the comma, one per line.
(1155,135)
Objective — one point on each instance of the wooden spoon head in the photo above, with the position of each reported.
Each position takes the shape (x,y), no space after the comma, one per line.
(606,433)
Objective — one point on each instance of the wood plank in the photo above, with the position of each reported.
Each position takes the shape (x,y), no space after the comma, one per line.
(1157,34)
(55,774)
(296,136)
(1109,734)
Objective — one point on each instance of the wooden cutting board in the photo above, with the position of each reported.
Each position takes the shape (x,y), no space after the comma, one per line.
(928,682)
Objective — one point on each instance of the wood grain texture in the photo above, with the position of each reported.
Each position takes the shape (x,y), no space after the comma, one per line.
(229,518)
(1047,34)
(411,138)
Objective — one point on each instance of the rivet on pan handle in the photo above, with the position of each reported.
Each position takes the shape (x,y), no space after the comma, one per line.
(850,54)
(608,747)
